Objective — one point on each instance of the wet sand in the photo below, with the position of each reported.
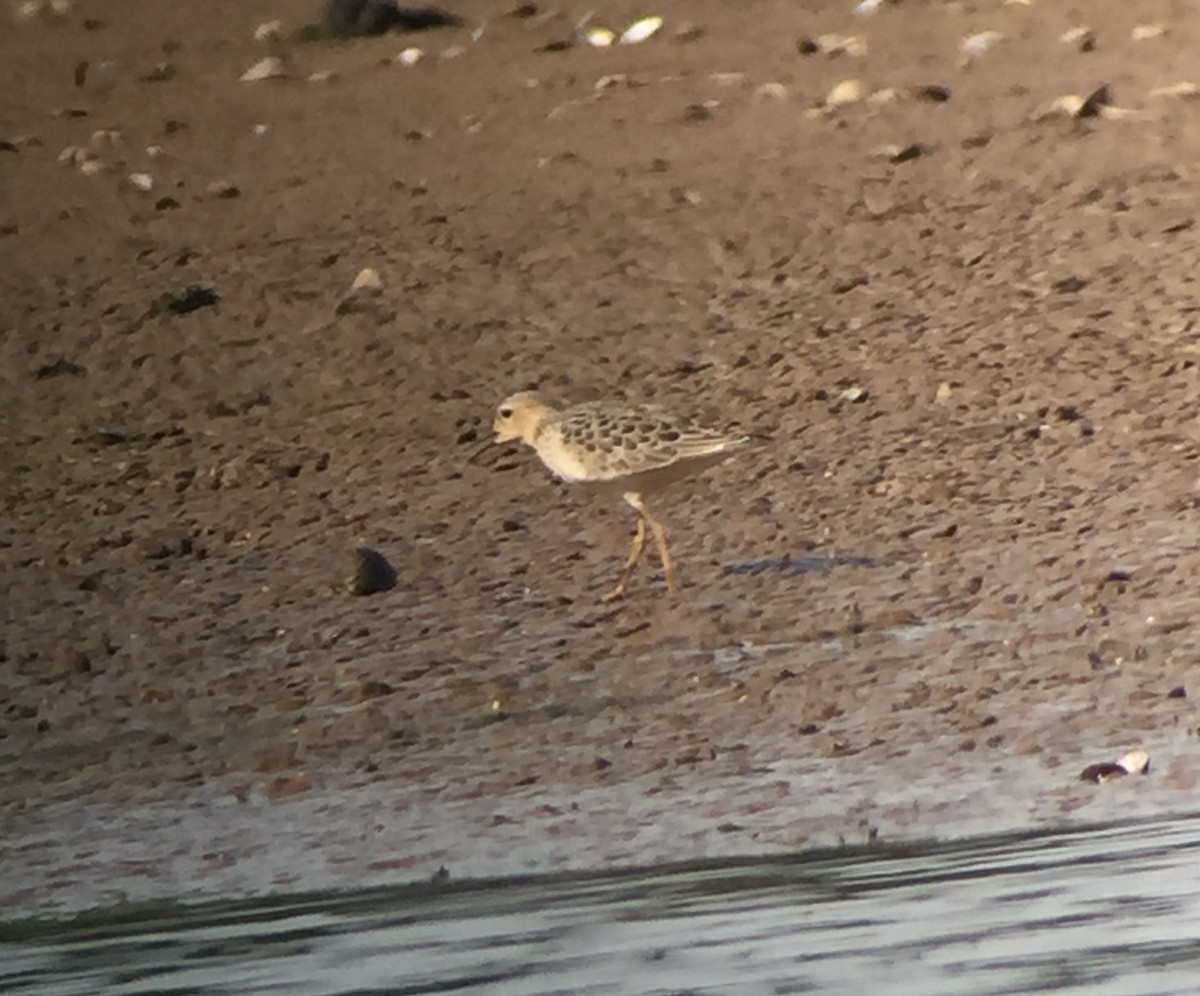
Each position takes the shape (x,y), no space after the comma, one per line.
(965,561)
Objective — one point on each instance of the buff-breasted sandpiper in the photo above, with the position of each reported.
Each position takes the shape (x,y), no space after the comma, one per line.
(631,450)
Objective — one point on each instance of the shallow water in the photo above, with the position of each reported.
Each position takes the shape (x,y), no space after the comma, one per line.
(1107,910)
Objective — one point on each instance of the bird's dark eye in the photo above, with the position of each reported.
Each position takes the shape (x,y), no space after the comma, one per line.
(506,413)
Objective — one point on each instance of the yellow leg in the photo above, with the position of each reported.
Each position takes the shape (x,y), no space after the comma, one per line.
(635,552)
(660,539)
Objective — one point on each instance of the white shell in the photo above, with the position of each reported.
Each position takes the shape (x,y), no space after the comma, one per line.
(1080,36)
(979,43)
(141,181)
(867,7)
(1136,762)
(368,279)
(846,92)
(852,45)
(639,31)
(1144,32)
(410,56)
(599,37)
(270,68)
(268,31)
(1184,90)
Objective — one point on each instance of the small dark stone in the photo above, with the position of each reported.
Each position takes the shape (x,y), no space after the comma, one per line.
(375,689)
(161,73)
(370,572)
(1178,692)
(107,437)
(61,367)
(81,71)
(91,582)
(934,92)
(440,876)
(355,18)
(729,827)
(601,763)
(219,409)
(523,11)
(557,45)
(807,46)
(156,548)
(1070,285)
(907,153)
(1104,772)
(845,286)
(191,298)
(166,204)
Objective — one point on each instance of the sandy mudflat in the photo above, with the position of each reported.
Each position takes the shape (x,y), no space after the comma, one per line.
(972,579)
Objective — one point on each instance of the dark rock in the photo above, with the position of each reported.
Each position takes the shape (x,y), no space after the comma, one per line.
(356,18)
(61,367)
(375,689)
(1070,285)
(1107,771)
(191,298)
(161,73)
(934,92)
(370,572)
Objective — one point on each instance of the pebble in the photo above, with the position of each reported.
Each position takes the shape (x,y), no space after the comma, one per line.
(367,281)
(1147,32)
(141,181)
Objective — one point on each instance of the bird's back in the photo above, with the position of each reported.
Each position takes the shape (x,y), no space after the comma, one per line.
(608,441)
